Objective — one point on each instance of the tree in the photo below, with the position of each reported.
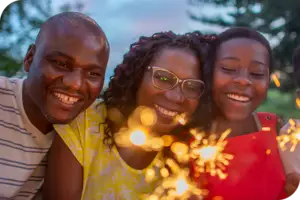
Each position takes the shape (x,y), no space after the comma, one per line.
(276,18)
(19,26)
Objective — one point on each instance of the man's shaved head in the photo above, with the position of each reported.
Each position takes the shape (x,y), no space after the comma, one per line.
(66,66)
(73,20)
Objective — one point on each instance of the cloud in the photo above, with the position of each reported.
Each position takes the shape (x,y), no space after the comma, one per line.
(124,21)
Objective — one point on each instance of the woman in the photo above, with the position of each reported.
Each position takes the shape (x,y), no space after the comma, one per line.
(164,72)
(242,61)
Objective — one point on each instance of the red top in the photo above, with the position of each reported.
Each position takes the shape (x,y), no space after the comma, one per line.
(256,171)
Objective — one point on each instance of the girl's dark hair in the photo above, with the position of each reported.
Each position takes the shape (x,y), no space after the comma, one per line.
(127,78)
(240,32)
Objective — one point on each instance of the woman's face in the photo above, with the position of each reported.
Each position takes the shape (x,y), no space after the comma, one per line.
(241,77)
(159,90)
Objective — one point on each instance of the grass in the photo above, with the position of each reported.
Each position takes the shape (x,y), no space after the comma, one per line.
(283,104)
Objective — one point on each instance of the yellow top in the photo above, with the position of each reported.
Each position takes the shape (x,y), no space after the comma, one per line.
(106,174)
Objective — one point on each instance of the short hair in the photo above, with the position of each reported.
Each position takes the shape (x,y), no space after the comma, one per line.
(72,18)
(241,32)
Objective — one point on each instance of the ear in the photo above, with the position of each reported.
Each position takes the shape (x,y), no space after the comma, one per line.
(29,57)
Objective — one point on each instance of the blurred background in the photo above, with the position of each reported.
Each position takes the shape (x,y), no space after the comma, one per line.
(125,20)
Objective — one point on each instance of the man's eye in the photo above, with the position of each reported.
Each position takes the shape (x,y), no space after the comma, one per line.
(60,63)
(94,74)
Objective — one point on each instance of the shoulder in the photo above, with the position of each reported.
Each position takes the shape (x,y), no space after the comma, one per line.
(9,83)
(271,120)
(87,119)
(96,112)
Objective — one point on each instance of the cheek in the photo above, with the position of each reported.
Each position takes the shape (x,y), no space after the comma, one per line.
(262,89)
(94,87)
(49,73)
(145,93)
(193,104)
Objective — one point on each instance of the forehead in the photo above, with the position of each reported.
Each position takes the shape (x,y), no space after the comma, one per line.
(242,48)
(183,62)
(73,40)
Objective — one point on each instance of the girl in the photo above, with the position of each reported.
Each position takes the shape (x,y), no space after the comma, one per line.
(164,72)
(242,61)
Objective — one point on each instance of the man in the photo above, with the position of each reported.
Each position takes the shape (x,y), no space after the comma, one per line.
(66,68)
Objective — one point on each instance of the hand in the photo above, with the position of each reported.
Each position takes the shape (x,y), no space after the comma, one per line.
(292,183)
(285,128)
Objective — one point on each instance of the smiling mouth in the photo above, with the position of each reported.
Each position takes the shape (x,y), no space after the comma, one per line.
(165,112)
(239,98)
(65,98)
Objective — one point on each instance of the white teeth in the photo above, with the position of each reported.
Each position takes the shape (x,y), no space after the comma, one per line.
(165,111)
(66,99)
(238,97)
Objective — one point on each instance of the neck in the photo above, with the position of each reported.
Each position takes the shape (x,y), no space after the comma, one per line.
(34,113)
(242,127)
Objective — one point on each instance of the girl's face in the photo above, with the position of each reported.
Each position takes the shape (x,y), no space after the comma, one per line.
(241,77)
(162,90)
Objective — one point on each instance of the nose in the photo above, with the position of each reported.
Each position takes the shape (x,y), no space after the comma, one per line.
(243,79)
(73,80)
(175,95)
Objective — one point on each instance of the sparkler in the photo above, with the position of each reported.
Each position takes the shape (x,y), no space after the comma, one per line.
(292,137)
(175,185)
(208,153)
(137,131)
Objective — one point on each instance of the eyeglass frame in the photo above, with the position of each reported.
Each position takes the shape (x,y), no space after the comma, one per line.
(178,81)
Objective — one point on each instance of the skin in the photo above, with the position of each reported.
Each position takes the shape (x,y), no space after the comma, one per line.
(242,67)
(63,182)
(186,66)
(69,59)
(292,179)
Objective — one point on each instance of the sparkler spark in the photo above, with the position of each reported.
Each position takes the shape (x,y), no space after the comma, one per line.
(292,137)
(175,185)
(275,79)
(298,103)
(208,153)
(181,119)
(137,131)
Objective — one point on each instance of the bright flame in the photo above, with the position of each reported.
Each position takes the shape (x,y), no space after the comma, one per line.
(275,79)
(138,137)
(181,119)
(298,102)
(181,186)
(175,184)
(292,137)
(208,153)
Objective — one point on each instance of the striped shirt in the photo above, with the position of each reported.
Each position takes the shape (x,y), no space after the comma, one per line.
(23,147)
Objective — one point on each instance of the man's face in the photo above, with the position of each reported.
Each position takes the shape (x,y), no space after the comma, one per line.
(66,71)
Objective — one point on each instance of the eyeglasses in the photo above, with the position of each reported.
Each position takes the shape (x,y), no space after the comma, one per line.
(165,80)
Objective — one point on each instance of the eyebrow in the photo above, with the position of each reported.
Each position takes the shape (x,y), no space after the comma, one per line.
(236,59)
(61,54)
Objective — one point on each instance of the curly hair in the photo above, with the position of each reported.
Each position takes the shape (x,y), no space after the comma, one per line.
(127,78)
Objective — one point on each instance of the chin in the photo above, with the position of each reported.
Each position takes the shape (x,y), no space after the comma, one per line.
(163,128)
(59,119)
(237,117)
